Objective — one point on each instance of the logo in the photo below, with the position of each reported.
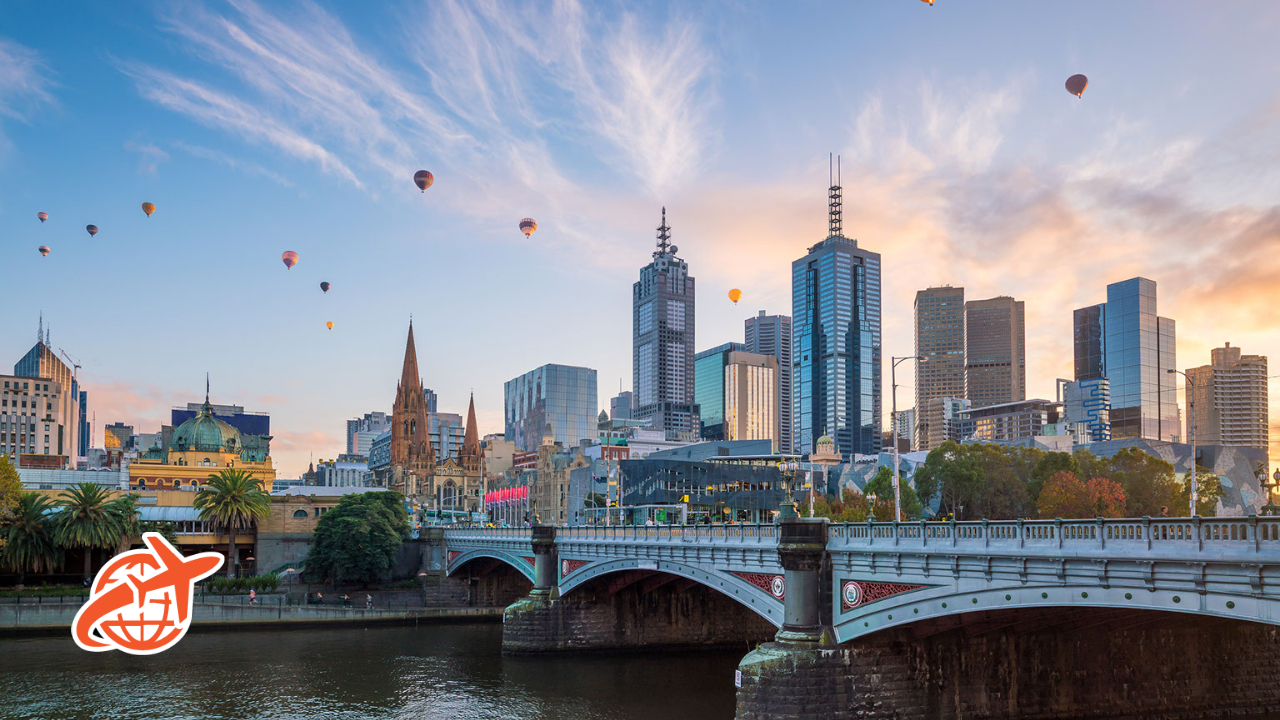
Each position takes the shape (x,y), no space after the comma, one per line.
(777,587)
(140,602)
(852,594)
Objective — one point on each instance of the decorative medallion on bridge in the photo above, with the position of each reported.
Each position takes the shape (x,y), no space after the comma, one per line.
(854,593)
(772,584)
(568,566)
(453,555)
(528,559)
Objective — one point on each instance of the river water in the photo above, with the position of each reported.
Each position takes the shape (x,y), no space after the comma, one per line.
(430,672)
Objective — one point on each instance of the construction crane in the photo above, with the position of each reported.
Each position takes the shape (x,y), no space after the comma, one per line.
(75,366)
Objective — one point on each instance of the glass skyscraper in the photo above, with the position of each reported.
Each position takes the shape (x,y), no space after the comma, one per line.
(771,335)
(835,301)
(1125,341)
(708,381)
(939,328)
(561,396)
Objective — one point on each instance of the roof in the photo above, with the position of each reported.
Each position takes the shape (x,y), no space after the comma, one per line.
(205,433)
(178,513)
(322,490)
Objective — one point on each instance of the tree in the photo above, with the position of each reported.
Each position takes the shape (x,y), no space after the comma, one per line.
(125,508)
(1208,492)
(88,519)
(1046,466)
(882,487)
(1106,497)
(594,500)
(29,541)
(357,540)
(232,499)
(853,507)
(10,486)
(1148,482)
(1065,495)
(949,474)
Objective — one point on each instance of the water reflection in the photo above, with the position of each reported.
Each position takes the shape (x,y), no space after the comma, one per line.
(439,671)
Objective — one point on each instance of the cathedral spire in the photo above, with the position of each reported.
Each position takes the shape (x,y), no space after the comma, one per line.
(409,373)
(471,440)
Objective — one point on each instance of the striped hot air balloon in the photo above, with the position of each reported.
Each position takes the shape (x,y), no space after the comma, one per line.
(290,258)
(528,226)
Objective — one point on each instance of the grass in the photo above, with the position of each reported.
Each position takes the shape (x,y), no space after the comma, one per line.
(46,591)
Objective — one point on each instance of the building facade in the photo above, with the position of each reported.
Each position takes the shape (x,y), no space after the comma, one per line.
(939,335)
(31,422)
(663,341)
(562,396)
(345,471)
(1126,342)
(41,362)
(362,431)
(771,335)
(248,423)
(412,458)
(1011,421)
(995,351)
(835,311)
(944,418)
(620,405)
(708,377)
(1230,395)
(751,399)
(1089,402)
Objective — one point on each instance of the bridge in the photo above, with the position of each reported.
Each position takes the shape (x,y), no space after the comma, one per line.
(836,591)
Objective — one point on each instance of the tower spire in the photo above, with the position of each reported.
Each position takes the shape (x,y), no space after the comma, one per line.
(664,235)
(40,329)
(834,200)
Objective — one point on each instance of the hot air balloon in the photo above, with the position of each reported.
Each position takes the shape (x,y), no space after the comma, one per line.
(324,287)
(290,258)
(1076,84)
(930,2)
(528,226)
(329,324)
(93,229)
(735,295)
(44,250)
(148,208)
(423,180)
(43,216)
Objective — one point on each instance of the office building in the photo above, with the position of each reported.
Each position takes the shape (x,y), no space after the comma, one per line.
(939,335)
(30,420)
(737,394)
(771,335)
(906,427)
(362,431)
(1126,342)
(1230,396)
(1089,402)
(945,420)
(447,431)
(345,471)
(835,299)
(86,433)
(429,396)
(562,396)
(995,351)
(1011,421)
(620,406)
(708,375)
(662,342)
(248,423)
(41,362)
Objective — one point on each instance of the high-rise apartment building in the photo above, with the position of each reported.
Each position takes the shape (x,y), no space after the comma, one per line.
(562,396)
(662,342)
(361,431)
(31,422)
(995,351)
(1126,342)
(939,335)
(1230,396)
(907,427)
(835,311)
(771,335)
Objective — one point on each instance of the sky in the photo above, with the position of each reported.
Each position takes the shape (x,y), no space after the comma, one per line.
(257,128)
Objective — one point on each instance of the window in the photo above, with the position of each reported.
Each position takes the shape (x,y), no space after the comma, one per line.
(299,513)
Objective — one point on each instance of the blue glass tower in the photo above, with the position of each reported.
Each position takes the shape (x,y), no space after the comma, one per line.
(835,301)
(562,396)
(708,383)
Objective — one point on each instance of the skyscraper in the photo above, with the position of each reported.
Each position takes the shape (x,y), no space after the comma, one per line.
(620,406)
(995,351)
(939,328)
(835,310)
(1230,395)
(750,397)
(562,396)
(771,335)
(662,342)
(42,362)
(362,431)
(1125,341)
(85,431)
(708,374)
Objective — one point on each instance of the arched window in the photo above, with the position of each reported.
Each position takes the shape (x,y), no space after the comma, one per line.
(300,513)
(177,484)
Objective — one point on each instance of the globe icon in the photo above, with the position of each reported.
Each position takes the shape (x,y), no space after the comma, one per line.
(147,624)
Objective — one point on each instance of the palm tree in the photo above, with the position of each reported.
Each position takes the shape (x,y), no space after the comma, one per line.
(233,499)
(29,542)
(125,508)
(89,519)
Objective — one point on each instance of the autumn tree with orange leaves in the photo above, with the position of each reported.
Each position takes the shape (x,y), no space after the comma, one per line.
(1065,495)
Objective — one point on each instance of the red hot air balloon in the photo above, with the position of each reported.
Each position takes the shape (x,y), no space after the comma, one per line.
(43,216)
(290,258)
(528,226)
(324,287)
(93,229)
(1076,84)
(423,180)
(44,250)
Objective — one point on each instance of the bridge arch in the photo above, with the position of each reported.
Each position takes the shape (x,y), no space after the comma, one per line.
(735,588)
(458,559)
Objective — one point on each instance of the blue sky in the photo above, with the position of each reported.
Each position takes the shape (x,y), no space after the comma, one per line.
(259,128)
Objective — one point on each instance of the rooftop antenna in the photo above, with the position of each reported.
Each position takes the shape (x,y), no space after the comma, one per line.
(664,235)
(834,200)
(206,388)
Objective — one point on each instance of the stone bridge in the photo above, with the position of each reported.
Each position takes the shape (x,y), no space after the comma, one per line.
(909,599)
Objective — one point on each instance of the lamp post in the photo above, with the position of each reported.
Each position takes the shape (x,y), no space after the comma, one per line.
(1191,430)
(893,419)
(1270,509)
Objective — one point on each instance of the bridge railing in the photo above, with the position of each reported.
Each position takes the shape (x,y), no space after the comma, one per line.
(507,533)
(1210,535)
(763,534)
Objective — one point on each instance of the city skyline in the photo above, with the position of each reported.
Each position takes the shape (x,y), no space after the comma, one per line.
(966,167)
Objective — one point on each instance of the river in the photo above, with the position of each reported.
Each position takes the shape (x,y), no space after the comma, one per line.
(430,672)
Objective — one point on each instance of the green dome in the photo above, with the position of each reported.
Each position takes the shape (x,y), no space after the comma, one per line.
(206,433)
(826,440)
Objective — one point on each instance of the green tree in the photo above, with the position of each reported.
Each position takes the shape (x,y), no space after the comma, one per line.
(88,519)
(882,487)
(1046,466)
(10,486)
(853,507)
(593,500)
(1002,492)
(1208,492)
(357,540)
(29,541)
(949,474)
(1148,482)
(232,499)
(166,530)
(125,509)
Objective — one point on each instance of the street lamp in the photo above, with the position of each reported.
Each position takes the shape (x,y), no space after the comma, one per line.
(1270,509)
(1191,430)
(893,418)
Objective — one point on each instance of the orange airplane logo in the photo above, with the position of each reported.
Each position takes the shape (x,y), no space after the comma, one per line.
(140,602)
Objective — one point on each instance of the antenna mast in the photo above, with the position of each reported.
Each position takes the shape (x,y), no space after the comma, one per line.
(834,201)
(664,235)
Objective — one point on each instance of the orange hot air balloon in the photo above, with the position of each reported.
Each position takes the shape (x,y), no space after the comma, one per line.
(1076,84)
(290,258)
(148,208)
(43,216)
(735,295)
(324,287)
(528,226)
(44,250)
(93,229)
(423,180)
(329,324)
(930,2)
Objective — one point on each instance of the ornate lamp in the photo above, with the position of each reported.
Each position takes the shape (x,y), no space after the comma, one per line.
(1270,509)
(787,510)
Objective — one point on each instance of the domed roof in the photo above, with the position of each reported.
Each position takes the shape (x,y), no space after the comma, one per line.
(826,440)
(206,433)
